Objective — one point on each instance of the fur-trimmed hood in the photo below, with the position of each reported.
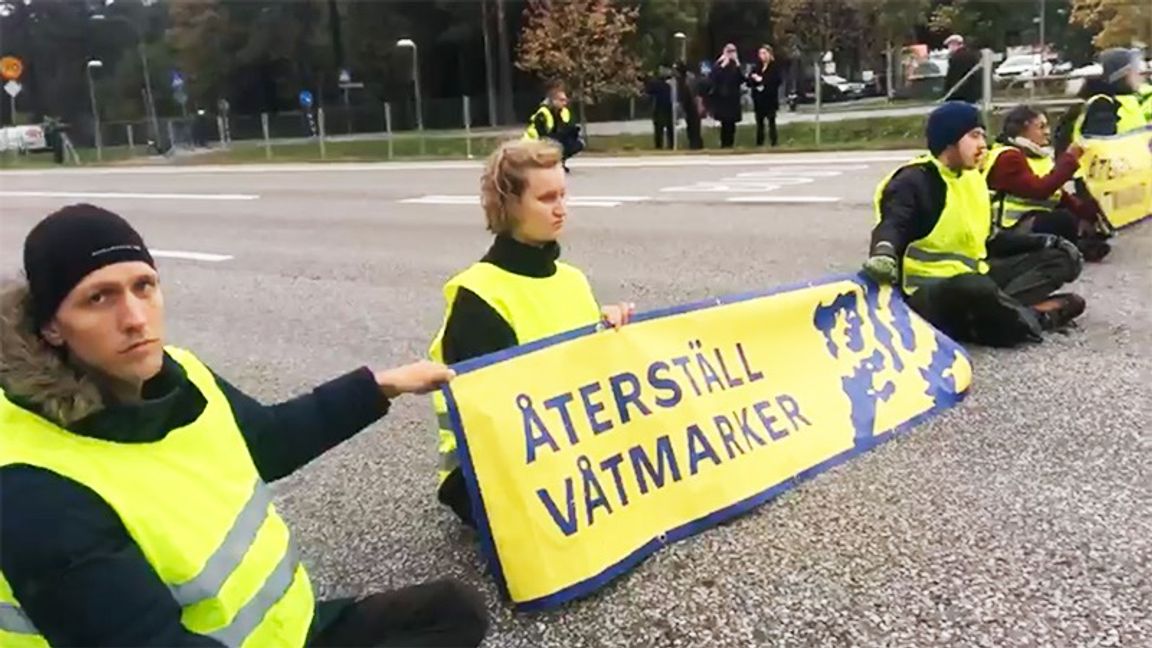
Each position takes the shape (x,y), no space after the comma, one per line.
(34,373)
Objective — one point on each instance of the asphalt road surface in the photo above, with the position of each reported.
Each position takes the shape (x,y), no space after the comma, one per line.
(1021,517)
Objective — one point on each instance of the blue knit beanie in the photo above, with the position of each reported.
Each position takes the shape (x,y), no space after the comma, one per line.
(950,122)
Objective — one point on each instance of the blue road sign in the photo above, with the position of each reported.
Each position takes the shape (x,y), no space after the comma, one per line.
(177,80)
(305,99)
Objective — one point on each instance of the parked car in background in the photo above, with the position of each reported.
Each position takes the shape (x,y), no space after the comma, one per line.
(1022,66)
(833,88)
(29,138)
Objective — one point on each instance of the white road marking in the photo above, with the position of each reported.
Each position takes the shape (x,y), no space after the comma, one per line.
(782,199)
(583,201)
(192,256)
(766,180)
(125,196)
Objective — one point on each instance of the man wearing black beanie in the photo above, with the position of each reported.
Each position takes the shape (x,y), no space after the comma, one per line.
(932,239)
(134,508)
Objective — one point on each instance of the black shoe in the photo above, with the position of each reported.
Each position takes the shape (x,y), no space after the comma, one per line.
(1094,248)
(1059,310)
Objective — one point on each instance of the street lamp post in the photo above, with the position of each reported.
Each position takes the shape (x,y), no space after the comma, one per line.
(408,42)
(682,39)
(94,64)
(151,107)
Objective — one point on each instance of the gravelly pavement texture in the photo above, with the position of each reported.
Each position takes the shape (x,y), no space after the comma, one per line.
(1023,517)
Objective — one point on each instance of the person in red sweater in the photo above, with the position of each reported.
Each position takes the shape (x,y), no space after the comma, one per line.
(1027,185)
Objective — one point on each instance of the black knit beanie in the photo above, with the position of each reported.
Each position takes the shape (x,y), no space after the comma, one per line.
(949,123)
(70,244)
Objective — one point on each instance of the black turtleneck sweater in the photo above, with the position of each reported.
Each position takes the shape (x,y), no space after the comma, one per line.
(474,328)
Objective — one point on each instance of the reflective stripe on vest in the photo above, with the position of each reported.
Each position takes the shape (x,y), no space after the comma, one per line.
(1008,209)
(12,619)
(956,245)
(196,507)
(534,307)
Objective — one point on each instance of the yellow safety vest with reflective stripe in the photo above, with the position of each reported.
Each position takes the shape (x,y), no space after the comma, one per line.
(1008,209)
(549,122)
(534,307)
(195,505)
(957,245)
(1145,93)
(1130,115)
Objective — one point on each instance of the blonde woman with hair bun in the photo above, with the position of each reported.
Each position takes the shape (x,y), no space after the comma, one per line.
(519,291)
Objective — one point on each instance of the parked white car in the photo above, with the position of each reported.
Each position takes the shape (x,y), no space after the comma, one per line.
(29,137)
(1024,66)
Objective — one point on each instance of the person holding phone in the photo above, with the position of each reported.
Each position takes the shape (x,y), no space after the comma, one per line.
(726,81)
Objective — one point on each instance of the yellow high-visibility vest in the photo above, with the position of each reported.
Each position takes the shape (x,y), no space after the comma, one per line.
(1130,114)
(958,243)
(195,505)
(1008,209)
(535,308)
(549,122)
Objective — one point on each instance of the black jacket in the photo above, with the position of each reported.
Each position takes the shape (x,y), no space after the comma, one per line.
(1102,117)
(724,93)
(959,63)
(910,208)
(766,93)
(474,329)
(78,574)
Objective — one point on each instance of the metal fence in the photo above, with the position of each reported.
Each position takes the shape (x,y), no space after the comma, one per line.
(462,126)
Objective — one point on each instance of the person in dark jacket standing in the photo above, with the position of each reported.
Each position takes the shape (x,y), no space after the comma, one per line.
(765,81)
(932,240)
(134,509)
(691,104)
(726,81)
(659,91)
(961,59)
(519,292)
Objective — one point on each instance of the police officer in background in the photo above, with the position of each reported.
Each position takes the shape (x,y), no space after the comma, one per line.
(553,120)
(133,504)
(932,239)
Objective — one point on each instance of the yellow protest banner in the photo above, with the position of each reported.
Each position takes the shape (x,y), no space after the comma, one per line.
(1118,173)
(588,451)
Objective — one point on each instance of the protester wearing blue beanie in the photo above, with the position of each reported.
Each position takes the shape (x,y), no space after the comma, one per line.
(934,240)
(948,123)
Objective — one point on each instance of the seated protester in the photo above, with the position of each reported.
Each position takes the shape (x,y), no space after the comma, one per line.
(553,120)
(1112,105)
(1026,185)
(932,239)
(134,509)
(518,292)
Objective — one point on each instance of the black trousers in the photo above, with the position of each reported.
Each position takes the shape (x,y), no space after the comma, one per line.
(993,309)
(1060,222)
(770,117)
(662,132)
(439,613)
(727,134)
(692,126)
